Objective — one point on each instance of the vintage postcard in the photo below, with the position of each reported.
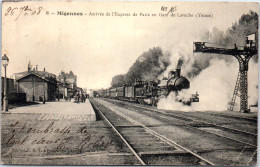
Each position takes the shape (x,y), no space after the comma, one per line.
(129,83)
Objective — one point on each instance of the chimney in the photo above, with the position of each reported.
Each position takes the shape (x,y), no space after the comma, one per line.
(36,68)
(29,66)
(178,72)
(44,69)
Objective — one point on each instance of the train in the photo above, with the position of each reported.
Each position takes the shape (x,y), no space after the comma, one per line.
(149,92)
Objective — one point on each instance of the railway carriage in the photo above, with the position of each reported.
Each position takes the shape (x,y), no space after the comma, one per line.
(113,93)
(120,92)
(130,93)
(102,93)
(106,93)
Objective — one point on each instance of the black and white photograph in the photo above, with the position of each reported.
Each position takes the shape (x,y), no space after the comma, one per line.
(129,83)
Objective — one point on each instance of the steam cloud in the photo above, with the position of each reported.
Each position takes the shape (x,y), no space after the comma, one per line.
(215,85)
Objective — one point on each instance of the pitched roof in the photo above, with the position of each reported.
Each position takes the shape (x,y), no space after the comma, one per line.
(40,75)
(19,74)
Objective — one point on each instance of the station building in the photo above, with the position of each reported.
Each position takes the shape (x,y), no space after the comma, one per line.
(36,84)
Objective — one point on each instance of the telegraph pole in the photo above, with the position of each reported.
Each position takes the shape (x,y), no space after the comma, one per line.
(243,55)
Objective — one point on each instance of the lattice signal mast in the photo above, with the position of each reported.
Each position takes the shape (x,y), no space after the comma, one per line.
(243,55)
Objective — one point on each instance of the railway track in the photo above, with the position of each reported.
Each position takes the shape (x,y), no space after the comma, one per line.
(253,120)
(195,121)
(135,136)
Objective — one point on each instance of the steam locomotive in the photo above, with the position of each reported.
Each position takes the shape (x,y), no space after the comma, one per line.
(149,92)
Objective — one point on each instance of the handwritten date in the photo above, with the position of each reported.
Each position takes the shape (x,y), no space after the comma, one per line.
(22,11)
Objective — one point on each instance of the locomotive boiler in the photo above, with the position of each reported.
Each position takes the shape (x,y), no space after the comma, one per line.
(176,83)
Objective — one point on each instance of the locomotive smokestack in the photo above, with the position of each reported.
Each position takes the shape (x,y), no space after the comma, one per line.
(178,69)
(178,72)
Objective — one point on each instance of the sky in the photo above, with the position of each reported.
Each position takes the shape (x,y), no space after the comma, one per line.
(96,48)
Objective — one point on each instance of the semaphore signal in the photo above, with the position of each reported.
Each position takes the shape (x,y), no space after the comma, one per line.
(243,55)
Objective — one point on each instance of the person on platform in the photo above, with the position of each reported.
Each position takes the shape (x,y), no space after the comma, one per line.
(82,98)
(77,97)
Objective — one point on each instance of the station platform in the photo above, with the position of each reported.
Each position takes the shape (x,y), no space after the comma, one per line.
(60,109)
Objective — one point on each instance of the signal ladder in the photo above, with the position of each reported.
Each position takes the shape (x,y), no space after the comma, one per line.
(235,94)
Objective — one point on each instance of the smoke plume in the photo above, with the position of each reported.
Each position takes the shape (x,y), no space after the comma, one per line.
(213,76)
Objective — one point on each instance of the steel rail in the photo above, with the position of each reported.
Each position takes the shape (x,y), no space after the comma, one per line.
(194,120)
(230,138)
(118,133)
(163,138)
(233,116)
(199,121)
(179,117)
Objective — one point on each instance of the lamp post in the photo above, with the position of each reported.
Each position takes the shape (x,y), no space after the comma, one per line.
(5,61)
(43,77)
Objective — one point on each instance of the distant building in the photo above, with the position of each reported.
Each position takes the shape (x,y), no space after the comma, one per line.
(64,91)
(67,84)
(68,78)
(36,84)
(80,90)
